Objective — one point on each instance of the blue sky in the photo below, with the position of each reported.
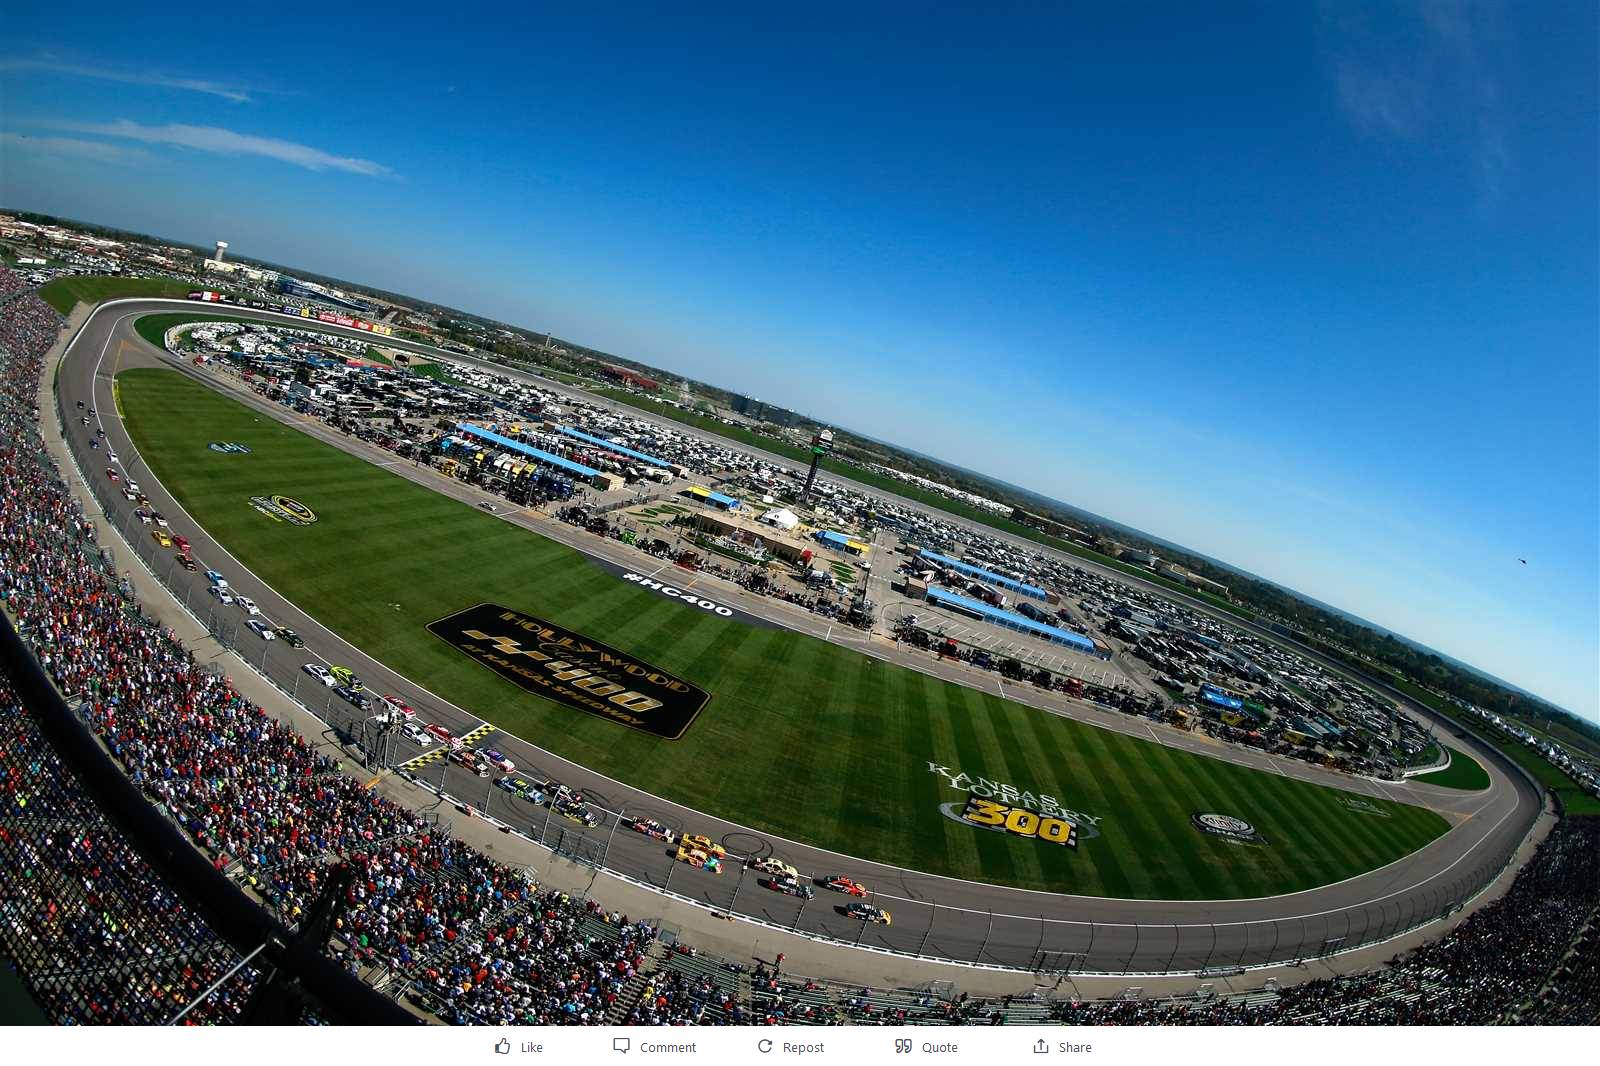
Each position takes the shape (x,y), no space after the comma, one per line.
(1311,290)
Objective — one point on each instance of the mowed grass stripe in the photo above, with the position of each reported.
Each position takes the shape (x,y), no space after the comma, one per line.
(1142,819)
(1084,794)
(801,738)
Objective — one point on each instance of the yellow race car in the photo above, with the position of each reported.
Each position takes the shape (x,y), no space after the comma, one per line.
(700,859)
(162,537)
(706,844)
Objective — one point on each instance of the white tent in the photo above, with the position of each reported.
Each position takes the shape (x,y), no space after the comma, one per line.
(781,517)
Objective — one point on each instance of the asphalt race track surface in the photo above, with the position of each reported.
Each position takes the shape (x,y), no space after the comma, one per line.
(933,916)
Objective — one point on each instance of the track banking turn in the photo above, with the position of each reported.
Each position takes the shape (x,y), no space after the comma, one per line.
(934,916)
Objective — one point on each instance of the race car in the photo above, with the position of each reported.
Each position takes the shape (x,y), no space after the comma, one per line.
(261,629)
(161,519)
(142,515)
(112,456)
(516,786)
(161,537)
(247,605)
(320,672)
(181,542)
(789,886)
(399,706)
(353,696)
(221,593)
(498,761)
(439,732)
(652,829)
(561,792)
(416,735)
(133,486)
(770,865)
(577,811)
(113,475)
(468,760)
(188,563)
(346,676)
(699,858)
(705,843)
(216,579)
(129,495)
(866,912)
(840,883)
(289,637)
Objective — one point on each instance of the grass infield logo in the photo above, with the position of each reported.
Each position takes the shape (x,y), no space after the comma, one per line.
(228,447)
(1226,825)
(569,668)
(284,509)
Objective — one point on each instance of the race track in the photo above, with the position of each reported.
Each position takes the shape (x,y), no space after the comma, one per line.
(933,916)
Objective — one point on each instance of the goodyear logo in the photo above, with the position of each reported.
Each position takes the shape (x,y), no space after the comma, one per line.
(284,509)
(569,668)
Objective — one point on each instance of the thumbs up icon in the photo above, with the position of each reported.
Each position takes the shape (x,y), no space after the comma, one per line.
(503,1047)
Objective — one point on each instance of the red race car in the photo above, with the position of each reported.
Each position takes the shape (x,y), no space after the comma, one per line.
(840,883)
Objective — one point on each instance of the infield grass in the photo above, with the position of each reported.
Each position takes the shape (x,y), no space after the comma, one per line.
(801,738)
(64,294)
(1463,773)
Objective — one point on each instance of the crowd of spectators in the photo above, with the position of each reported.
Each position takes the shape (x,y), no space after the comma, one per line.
(11,285)
(469,938)
(93,933)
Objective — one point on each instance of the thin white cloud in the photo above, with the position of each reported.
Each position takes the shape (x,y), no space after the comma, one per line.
(221,141)
(161,81)
(98,151)
(1422,69)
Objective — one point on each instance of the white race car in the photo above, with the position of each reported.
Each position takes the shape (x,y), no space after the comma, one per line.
(261,629)
(320,672)
(248,604)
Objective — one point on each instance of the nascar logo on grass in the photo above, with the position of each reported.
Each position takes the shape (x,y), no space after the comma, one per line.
(569,668)
(284,509)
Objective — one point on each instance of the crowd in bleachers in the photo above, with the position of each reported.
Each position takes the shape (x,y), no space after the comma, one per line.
(472,939)
(11,285)
(92,932)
